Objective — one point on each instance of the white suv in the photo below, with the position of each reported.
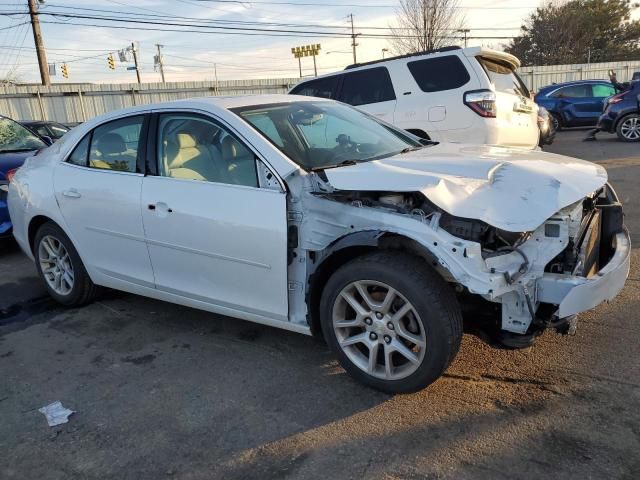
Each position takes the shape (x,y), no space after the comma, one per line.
(470,95)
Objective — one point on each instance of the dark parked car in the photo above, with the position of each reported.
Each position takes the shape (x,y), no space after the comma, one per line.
(16,144)
(546,126)
(575,104)
(53,130)
(622,114)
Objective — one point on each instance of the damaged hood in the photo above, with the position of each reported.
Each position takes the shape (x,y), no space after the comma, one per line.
(511,189)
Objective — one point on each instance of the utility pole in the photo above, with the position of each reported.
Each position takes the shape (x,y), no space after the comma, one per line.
(160,63)
(135,60)
(353,39)
(215,73)
(464,31)
(37,38)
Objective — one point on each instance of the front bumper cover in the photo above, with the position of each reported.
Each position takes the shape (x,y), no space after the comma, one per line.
(575,294)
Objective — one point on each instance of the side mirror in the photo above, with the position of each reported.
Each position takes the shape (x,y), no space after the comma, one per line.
(46,139)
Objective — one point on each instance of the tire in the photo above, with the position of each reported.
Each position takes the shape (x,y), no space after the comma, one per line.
(430,330)
(557,122)
(628,129)
(53,250)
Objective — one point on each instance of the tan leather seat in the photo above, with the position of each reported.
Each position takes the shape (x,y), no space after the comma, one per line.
(111,153)
(240,162)
(185,158)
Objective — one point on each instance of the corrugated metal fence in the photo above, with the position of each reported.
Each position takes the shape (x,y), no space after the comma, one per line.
(77,103)
(80,102)
(537,77)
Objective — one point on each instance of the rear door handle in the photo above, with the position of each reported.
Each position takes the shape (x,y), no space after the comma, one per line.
(71,193)
(160,207)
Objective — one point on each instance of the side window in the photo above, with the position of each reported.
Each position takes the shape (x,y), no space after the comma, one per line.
(193,148)
(114,145)
(367,86)
(440,73)
(574,91)
(81,152)
(322,87)
(602,91)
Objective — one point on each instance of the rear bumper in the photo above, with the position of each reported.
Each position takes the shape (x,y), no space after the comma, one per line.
(575,294)
(607,122)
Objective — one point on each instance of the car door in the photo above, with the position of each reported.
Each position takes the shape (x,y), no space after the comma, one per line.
(370,90)
(576,105)
(98,190)
(214,235)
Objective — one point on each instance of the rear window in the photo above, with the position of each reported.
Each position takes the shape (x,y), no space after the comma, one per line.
(367,86)
(503,77)
(322,87)
(440,73)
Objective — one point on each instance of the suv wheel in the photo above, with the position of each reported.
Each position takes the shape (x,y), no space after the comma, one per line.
(393,321)
(557,123)
(60,267)
(628,129)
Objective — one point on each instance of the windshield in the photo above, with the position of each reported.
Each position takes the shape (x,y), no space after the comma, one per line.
(320,134)
(503,77)
(15,138)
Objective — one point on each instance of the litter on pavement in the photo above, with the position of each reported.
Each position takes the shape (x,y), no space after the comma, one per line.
(56,414)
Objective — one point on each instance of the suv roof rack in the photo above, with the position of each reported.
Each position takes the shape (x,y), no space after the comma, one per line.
(417,54)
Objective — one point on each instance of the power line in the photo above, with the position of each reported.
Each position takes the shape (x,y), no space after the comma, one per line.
(225,29)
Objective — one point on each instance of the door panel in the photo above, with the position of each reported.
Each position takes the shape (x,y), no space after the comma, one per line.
(102,211)
(223,244)
(98,191)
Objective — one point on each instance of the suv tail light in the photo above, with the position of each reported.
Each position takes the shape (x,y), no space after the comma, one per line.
(483,102)
(617,98)
(10,174)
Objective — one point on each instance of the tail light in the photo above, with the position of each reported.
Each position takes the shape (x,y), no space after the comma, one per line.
(617,98)
(10,174)
(483,102)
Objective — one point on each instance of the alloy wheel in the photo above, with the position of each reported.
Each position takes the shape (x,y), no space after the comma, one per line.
(630,128)
(55,264)
(379,330)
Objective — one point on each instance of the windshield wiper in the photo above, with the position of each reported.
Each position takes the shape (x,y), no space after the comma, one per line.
(344,163)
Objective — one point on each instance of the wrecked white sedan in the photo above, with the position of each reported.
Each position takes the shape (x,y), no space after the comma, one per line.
(309,215)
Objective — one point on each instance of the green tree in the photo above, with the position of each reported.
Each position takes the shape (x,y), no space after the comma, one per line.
(578,31)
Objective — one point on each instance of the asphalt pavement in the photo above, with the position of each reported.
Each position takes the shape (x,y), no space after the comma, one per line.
(163,391)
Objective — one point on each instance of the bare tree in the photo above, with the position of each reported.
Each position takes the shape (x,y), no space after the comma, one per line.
(426,25)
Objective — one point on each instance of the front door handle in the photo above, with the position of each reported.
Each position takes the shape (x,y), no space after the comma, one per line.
(71,193)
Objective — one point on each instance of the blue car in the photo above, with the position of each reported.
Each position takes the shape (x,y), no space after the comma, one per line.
(575,104)
(622,114)
(16,144)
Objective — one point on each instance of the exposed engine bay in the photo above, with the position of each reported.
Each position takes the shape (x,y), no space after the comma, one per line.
(516,269)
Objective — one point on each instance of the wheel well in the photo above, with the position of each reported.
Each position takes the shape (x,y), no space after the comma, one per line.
(621,118)
(34,225)
(336,257)
(419,133)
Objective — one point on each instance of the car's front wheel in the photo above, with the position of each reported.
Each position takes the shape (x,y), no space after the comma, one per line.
(393,321)
(60,267)
(628,129)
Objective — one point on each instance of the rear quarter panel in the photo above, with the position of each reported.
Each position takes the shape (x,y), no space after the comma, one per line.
(31,194)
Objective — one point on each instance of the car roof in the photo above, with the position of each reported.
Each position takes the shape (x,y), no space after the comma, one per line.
(571,83)
(210,104)
(467,52)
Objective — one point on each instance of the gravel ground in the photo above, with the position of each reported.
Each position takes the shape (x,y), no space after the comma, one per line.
(163,391)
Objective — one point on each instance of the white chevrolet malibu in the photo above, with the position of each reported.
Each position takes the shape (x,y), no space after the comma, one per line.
(309,215)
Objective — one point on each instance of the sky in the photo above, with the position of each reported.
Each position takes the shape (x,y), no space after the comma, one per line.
(192,55)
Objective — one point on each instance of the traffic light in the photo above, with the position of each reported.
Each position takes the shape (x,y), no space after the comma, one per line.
(111,61)
(65,71)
